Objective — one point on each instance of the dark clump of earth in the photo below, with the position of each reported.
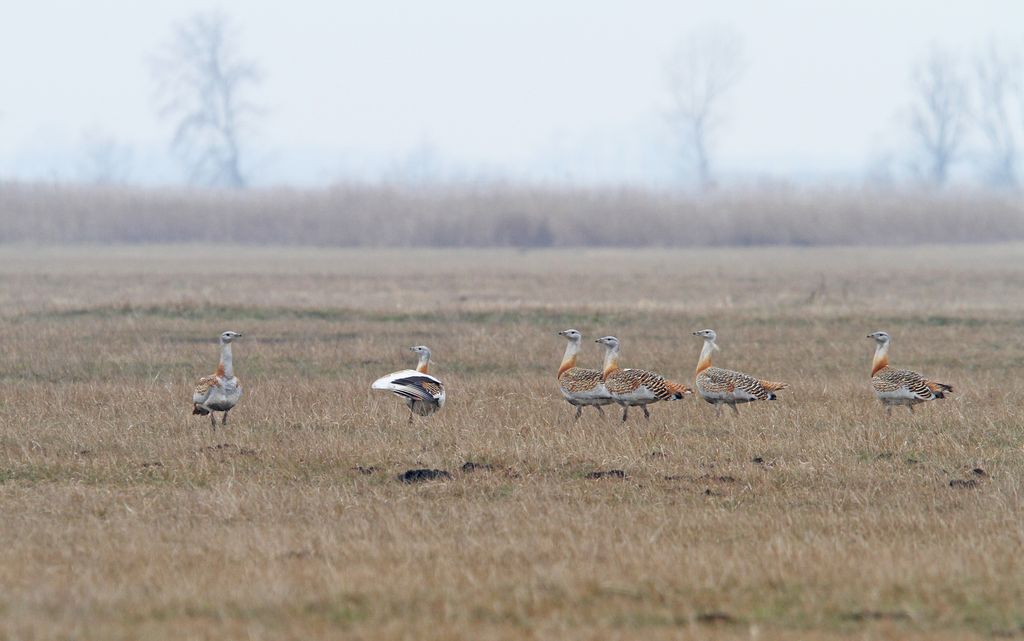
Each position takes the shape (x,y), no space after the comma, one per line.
(470,466)
(416,476)
(606,474)
(715,617)
(963,483)
(876,615)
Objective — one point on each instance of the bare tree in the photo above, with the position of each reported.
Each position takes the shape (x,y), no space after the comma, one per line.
(939,114)
(419,166)
(1000,108)
(701,71)
(203,85)
(104,160)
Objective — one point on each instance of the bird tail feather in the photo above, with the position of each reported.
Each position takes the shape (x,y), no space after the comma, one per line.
(939,389)
(678,390)
(773,386)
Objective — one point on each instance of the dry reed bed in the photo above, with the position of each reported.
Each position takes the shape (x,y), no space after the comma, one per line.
(124,517)
(495,215)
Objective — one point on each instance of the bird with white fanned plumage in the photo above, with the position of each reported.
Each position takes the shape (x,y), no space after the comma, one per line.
(220,391)
(726,387)
(635,387)
(581,387)
(423,393)
(900,386)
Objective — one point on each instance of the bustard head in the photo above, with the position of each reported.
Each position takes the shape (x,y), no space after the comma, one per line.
(707,334)
(880,337)
(608,341)
(571,334)
(421,350)
(229,336)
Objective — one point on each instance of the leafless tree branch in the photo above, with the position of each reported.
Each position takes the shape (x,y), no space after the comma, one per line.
(202,83)
(1000,111)
(701,71)
(939,114)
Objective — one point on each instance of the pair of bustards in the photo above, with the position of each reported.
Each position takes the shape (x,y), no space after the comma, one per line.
(221,391)
(424,394)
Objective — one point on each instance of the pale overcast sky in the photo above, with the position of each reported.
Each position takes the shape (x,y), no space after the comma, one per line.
(547,89)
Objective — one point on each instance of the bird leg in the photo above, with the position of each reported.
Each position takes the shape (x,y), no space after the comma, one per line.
(410,416)
(911,408)
(625,411)
(224,419)
(213,422)
(647,414)
(718,410)
(599,410)
(888,410)
(579,412)
(734,410)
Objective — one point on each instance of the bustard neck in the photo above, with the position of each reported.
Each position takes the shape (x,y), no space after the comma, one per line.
(226,368)
(881,359)
(704,361)
(611,361)
(572,348)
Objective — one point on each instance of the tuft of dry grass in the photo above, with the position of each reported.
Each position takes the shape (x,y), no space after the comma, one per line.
(813,516)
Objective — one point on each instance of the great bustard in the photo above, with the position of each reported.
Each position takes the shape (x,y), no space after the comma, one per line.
(900,386)
(423,393)
(220,391)
(725,387)
(632,387)
(580,386)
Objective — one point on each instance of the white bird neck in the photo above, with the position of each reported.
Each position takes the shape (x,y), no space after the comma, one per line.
(704,361)
(881,359)
(226,368)
(572,348)
(611,361)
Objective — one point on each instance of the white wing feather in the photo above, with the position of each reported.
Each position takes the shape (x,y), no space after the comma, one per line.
(389,383)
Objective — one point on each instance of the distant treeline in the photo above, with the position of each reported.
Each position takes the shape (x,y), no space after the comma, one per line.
(504,216)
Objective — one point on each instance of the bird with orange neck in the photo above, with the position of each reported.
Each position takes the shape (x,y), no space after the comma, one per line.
(423,393)
(726,387)
(635,387)
(900,386)
(579,386)
(220,391)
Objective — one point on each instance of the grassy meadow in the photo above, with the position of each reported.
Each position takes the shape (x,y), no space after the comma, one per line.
(125,517)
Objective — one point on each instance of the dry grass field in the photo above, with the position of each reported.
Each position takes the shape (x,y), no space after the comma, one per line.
(124,517)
